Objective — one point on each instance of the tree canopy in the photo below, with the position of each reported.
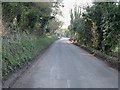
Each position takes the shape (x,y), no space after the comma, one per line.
(97,26)
(32,17)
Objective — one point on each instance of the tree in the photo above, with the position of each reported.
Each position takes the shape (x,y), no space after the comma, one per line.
(98,26)
(31,17)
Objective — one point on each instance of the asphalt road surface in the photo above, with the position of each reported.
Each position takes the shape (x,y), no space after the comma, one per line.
(65,65)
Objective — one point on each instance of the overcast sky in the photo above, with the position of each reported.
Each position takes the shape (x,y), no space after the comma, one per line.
(68,5)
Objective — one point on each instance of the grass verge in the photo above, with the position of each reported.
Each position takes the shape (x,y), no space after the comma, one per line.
(18,51)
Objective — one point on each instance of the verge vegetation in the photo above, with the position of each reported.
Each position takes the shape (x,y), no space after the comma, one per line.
(28,29)
(97,27)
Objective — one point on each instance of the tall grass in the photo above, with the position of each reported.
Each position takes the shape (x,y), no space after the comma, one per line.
(16,50)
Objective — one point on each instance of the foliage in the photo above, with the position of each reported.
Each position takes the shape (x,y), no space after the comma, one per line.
(17,51)
(33,17)
(54,25)
(97,26)
(25,31)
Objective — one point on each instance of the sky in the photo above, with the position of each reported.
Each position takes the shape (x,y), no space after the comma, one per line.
(68,5)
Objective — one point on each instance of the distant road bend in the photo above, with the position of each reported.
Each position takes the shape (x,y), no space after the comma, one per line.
(65,65)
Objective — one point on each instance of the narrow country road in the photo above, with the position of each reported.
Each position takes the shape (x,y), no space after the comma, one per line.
(65,65)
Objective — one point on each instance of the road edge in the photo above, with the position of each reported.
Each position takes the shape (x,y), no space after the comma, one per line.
(107,59)
(20,71)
